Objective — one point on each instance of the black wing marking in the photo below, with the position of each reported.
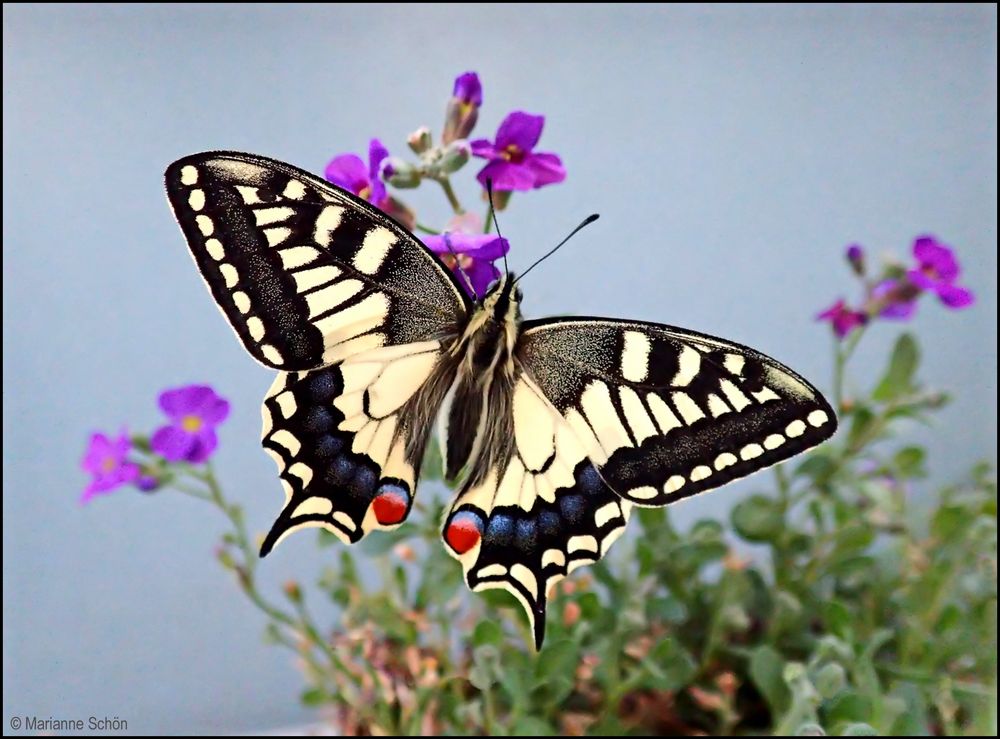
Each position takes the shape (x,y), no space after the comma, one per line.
(666,413)
(306,273)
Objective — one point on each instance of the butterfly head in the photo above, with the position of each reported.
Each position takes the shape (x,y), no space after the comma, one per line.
(502,301)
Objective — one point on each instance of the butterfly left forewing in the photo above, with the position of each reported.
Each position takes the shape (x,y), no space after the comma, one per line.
(536,510)
(666,413)
(306,273)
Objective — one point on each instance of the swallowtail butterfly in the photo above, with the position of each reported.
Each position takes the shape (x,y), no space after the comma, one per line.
(555,427)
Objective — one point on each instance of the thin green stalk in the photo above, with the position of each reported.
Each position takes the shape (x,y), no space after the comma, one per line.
(426,229)
(452,198)
(488,219)
(842,353)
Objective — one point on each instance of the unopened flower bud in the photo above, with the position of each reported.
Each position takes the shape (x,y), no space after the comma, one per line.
(455,156)
(856,258)
(420,140)
(292,591)
(147,482)
(463,108)
(225,558)
(399,173)
(571,613)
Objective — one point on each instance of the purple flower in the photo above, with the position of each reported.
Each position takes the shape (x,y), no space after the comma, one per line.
(106,460)
(463,108)
(513,163)
(471,255)
(937,271)
(350,173)
(468,89)
(194,412)
(895,299)
(842,318)
(856,258)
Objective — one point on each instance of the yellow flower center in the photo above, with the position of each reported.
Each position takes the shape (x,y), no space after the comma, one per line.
(513,153)
(365,193)
(191,424)
(464,261)
(108,464)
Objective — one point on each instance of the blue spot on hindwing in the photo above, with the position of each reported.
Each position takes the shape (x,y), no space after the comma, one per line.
(589,481)
(327,446)
(322,386)
(318,421)
(525,535)
(499,530)
(549,523)
(572,507)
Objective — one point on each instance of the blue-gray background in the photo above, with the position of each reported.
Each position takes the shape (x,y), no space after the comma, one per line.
(732,153)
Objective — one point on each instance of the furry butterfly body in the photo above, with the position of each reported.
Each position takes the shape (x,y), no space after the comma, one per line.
(555,428)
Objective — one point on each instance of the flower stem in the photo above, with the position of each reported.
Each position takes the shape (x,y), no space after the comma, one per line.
(488,219)
(842,353)
(452,198)
(426,229)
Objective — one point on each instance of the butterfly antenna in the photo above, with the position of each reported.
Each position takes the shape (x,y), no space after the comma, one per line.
(493,215)
(586,222)
(447,242)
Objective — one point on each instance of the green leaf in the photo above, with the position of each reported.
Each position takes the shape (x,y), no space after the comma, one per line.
(830,680)
(898,378)
(532,726)
(558,658)
(859,730)
(758,518)
(786,613)
(862,420)
(909,462)
(766,671)
(818,466)
(838,619)
(669,666)
(487,632)
(665,608)
(849,707)
(486,668)
(313,697)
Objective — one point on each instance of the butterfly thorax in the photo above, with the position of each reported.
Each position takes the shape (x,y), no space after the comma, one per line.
(485,376)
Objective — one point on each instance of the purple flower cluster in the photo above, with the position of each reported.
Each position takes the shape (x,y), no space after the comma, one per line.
(512,164)
(470,257)
(894,295)
(194,411)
